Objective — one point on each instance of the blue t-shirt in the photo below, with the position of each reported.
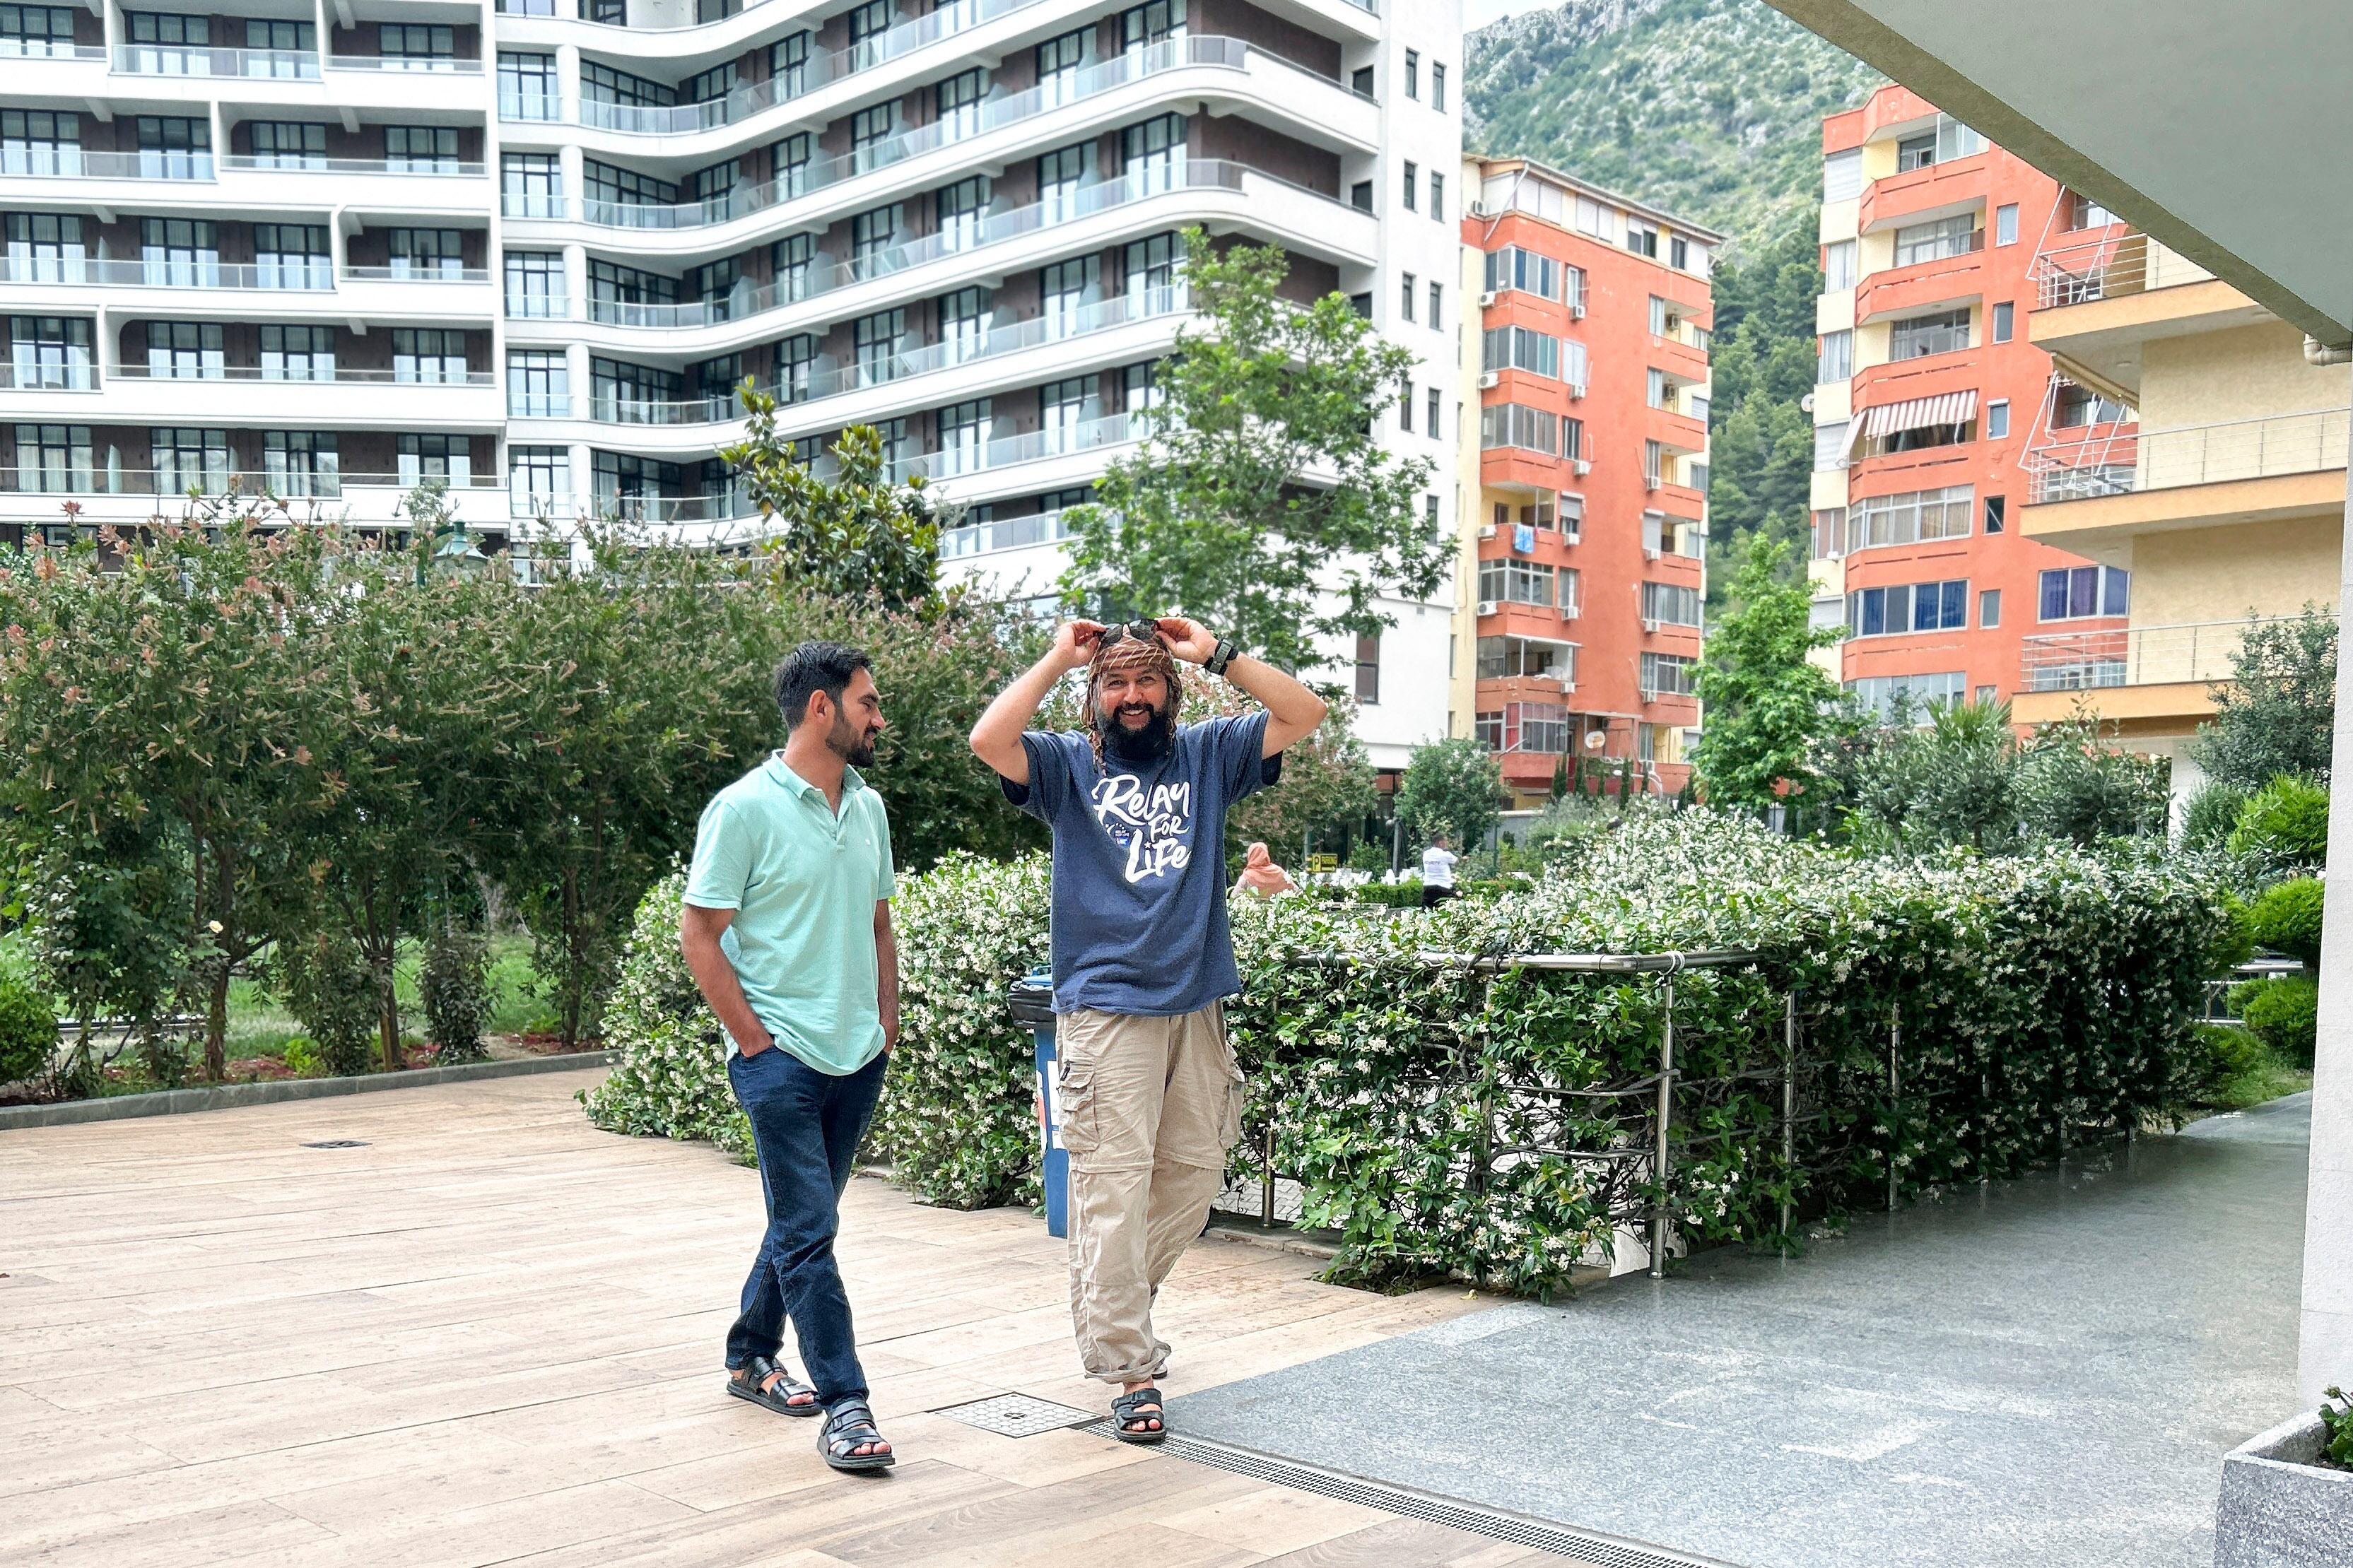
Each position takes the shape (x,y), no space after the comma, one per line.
(1139,906)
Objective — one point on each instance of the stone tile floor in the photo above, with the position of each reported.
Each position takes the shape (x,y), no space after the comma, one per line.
(492,1335)
(2042,1373)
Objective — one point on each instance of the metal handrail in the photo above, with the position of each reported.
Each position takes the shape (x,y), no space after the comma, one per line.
(369,376)
(306,163)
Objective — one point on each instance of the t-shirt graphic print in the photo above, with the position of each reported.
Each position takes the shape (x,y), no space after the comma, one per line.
(1139,900)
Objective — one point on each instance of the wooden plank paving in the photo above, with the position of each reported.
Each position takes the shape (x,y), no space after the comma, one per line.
(492,1334)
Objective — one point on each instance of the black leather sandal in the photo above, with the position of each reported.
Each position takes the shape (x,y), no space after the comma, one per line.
(750,1382)
(848,1426)
(1128,1413)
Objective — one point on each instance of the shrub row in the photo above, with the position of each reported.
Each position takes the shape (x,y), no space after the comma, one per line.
(2041,1001)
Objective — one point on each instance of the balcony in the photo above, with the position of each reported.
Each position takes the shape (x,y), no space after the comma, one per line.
(2114,265)
(69,161)
(2243,471)
(136,495)
(1004,533)
(2154,677)
(306,274)
(178,59)
(2099,299)
(1032,447)
(299,163)
(425,65)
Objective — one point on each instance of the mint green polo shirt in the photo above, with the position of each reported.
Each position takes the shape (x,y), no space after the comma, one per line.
(803,882)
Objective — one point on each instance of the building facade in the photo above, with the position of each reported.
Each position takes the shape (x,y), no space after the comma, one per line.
(1584,502)
(1929,393)
(2225,504)
(339,251)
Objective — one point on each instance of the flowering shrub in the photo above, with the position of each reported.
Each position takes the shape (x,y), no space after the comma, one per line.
(670,1081)
(1444,1124)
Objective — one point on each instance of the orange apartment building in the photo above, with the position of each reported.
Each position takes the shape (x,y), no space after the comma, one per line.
(1584,502)
(1929,396)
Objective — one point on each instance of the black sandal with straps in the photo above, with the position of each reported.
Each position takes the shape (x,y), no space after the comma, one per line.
(750,1382)
(848,1426)
(1127,1413)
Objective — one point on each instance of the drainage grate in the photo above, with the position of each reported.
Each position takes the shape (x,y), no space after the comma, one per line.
(1578,1545)
(1016,1415)
(338,1143)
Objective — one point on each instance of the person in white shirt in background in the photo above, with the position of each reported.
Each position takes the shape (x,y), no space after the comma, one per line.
(1437,872)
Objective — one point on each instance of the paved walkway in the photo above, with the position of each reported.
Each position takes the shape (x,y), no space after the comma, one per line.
(492,1335)
(2045,1373)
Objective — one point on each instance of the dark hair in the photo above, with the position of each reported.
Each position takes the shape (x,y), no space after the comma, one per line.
(812,668)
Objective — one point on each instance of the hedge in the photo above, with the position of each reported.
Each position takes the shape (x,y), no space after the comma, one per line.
(2042,1001)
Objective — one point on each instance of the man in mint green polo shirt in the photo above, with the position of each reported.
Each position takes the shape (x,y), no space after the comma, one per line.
(786,927)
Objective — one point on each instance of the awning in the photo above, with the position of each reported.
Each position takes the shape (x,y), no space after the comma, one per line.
(1918,413)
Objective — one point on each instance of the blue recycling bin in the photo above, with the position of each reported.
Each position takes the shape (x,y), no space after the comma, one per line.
(1031,1000)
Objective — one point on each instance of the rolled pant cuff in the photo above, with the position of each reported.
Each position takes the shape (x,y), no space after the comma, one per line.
(1131,1374)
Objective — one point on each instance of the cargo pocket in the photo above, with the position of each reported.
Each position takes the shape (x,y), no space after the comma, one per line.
(1074,1093)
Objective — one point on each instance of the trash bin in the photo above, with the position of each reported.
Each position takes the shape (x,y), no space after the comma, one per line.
(1031,1000)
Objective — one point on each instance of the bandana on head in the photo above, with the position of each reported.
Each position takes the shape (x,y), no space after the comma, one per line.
(1128,656)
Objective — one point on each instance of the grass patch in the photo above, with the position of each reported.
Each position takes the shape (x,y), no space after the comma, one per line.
(2261,1075)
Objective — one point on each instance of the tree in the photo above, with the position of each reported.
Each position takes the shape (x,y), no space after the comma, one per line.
(1452,786)
(1261,502)
(2277,713)
(2073,785)
(1760,441)
(853,535)
(1327,783)
(1765,704)
(1953,780)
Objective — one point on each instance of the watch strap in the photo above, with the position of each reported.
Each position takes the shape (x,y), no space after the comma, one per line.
(1220,657)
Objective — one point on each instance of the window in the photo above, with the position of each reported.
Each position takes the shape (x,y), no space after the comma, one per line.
(1989,608)
(40,142)
(1948,141)
(292,256)
(1679,254)
(1997,509)
(1438,87)
(1884,696)
(184,351)
(1405,296)
(1909,517)
(876,341)
(534,289)
(531,184)
(1360,196)
(161,28)
(445,458)
(1937,239)
(1572,440)
(956,102)
(964,323)
(964,436)
(1829,444)
(1828,542)
(1937,332)
(297,354)
(1368,668)
(539,480)
(46,247)
(301,462)
(1405,408)
(957,211)
(1140,387)
(1520,348)
(795,357)
(425,252)
(2005,321)
(2076,406)
(2080,593)
(187,460)
(788,64)
(1438,196)
(1842,175)
(1526,271)
(1142,25)
(289,144)
(1657,392)
(1657,467)
(1433,407)
(1997,419)
(1413,73)
(429,355)
(867,22)
(1511,581)
(1062,410)
(1671,603)
(1361,81)
(172,147)
(870,125)
(2082,211)
(1413,178)
(709,86)
(1909,607)
(609,185)
(1059,61)
(788,160)
(1642,239)
(1154,153)
(1834,356)
(1062,293)
(1437,298)
(873,232)
(417,40)
(2005,224)
(51,458)
(539,384)
(1516,425)
(36,30)
(179,253)
(1838,266)
(1513,659)
(1664,319)
(49,351)
(1914,153)
(421,149)
(1666,675)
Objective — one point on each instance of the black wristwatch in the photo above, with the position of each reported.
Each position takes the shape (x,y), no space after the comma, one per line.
(1220,657)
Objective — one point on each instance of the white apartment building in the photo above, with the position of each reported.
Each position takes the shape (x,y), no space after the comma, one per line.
(338,248)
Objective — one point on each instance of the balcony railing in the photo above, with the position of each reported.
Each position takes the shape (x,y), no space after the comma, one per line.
(2123,464)
(48,49)
(69,161)
(2202,652)
(305,164)
(2116,263)
(33,375)
(322,480)
(436,64)
(804,179)
(316,375)
(416,273)
(300,274)
(1004,533)
(180,60)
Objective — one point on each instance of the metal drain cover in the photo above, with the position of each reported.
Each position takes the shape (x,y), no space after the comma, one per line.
(1018,1416)
(338,1143)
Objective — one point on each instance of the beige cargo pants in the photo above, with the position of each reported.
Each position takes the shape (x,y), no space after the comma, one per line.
(1149,1108)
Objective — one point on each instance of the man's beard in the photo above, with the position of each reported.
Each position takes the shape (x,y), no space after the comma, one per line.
(845,742)
(1149,744)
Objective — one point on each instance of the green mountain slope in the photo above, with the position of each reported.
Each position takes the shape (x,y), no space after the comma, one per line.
(1710,108)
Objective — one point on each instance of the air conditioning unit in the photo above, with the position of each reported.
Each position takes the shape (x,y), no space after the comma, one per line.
(1486,299)
(1486,607)
(1649,552)
(1576,389)
(1581,466)
(1649,624)
(1651,481)
(1568,612)
(1489,380)
(1481,209)
(1486,531)
(1577,311)
(1567,686)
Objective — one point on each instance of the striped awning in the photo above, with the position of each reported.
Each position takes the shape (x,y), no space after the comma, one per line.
(1918,413)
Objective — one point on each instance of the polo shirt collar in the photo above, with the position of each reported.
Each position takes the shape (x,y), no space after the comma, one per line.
(792,783)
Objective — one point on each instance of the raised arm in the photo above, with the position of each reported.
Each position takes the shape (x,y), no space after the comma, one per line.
(1291,710)
(996,738)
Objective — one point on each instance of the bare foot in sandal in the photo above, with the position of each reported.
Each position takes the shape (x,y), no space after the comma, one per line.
(767,1385)
(1138,1413)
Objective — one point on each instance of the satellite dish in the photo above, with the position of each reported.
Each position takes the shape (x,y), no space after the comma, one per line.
(1806,404)
(1593,740)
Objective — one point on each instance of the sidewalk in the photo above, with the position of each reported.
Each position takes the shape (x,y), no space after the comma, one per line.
(491,1334)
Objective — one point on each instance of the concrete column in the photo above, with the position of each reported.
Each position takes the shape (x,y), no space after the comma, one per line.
(2326,1356)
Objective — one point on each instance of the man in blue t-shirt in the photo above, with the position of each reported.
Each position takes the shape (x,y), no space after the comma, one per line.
(1150,1094)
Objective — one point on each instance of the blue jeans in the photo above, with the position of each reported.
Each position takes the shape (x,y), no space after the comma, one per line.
(806,1125)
